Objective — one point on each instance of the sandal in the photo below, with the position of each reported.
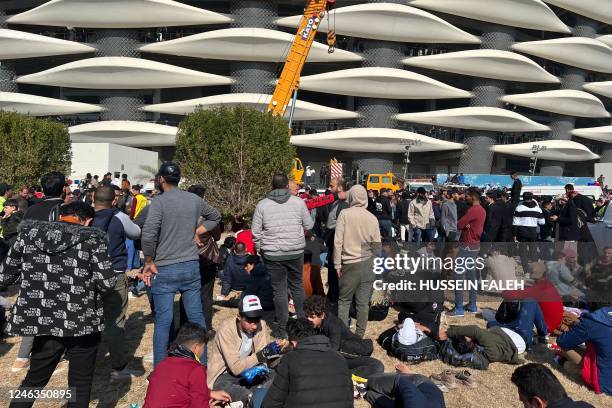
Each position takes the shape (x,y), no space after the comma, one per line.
(447,378)
(465,378)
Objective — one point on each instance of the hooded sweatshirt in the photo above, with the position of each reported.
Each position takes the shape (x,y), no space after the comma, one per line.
(64,269)
(596,328)
(357,236)
(279,223)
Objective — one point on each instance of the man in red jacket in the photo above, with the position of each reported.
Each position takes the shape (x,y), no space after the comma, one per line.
(543,292)
(471,226)
(179,381)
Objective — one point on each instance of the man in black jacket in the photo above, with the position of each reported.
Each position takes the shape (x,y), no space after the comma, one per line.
(402,209)
(500,213)
(312,375)
(118,227)
(517,186)
(48,209)
(64,269)
(356,350)
(383,213)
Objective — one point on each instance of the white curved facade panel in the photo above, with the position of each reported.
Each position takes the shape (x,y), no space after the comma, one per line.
(391,22)
(581,52)
(303,110)
(563,101)
(532,14)
(600,10)
(122,73)
(485,63)
(19,44)
(600,133)
(606,39)
(602,88)
(477,118)
(117,14)
(40,106)
(244,44)
(124,132)
(376,82)
(562,150)
(379,140)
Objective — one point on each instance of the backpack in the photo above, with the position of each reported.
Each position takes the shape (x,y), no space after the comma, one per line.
(476,359)
(424,350)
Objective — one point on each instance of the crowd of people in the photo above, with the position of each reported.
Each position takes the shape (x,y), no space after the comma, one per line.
(74,253)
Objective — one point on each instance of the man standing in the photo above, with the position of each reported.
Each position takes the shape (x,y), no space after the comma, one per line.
(5,192)
(336,187)
(383,213)
(448,215)
(421,217)
(48,210)
(279,223)
(404,222)
(356,242)
(118,227)
(64,269)
(517,186)
(171,254)
(471,226)
(527,217)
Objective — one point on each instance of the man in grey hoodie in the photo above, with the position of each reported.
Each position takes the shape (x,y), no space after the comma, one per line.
(448,217)
(278,228)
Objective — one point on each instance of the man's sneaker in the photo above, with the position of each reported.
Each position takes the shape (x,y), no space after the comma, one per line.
(470,310)
(439,384)
(446,378)
(465,377)
(124,375)
(20,364)
(455,313)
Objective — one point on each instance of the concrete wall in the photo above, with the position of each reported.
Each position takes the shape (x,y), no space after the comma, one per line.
(100,158)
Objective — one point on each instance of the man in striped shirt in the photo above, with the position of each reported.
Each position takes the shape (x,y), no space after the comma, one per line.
(527,217)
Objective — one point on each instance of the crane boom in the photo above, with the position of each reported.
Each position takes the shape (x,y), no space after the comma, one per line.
(296,58)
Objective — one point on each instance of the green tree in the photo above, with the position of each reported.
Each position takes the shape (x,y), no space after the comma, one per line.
(234,152)
(31,147)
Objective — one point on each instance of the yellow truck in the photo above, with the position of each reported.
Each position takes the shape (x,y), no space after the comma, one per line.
(377,182)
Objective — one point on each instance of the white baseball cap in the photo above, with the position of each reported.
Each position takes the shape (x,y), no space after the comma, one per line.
(250,306)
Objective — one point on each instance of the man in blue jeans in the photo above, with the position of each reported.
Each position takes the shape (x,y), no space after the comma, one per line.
(171,253)
(530,314)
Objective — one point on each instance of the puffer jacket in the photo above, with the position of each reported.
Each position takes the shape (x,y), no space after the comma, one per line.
(311,376)
(64,269)
(279,222)
(420,214)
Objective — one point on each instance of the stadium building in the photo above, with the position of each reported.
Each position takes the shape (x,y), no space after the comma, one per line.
(472,86)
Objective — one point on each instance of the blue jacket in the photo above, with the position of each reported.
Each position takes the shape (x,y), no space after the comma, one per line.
(597,328)
(235,277)
(118,227)
(425,395)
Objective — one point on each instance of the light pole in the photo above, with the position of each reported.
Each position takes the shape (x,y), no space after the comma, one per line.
(408,143)
(535,149)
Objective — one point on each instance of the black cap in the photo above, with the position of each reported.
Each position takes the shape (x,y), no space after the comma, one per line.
(170,169)
(527,195)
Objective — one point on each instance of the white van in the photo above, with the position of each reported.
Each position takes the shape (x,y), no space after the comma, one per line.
(593,192)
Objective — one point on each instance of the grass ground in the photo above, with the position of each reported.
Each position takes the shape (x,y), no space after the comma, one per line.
(494,386)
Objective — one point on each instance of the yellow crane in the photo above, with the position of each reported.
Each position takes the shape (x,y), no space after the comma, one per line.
(289,80)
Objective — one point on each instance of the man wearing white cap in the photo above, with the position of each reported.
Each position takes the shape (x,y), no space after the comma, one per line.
(240,344)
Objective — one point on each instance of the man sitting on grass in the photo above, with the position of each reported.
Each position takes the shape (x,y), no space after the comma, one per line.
(356,350)
(241,343)
(180,379)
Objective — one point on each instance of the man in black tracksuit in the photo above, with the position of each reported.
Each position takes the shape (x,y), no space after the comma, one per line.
(312,375)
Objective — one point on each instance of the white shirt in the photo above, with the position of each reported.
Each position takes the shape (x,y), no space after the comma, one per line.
(516,339)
